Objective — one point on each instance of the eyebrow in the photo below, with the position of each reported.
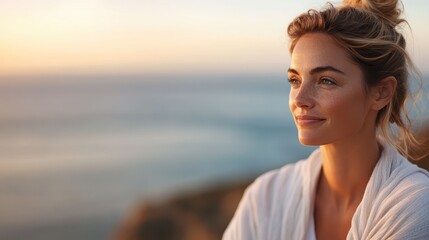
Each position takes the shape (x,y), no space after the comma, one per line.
(318,70)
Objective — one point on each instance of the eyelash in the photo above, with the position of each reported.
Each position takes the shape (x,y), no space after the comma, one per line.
(293,81)
(323,80)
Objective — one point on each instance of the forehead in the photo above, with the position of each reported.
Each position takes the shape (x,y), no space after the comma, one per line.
(319,49)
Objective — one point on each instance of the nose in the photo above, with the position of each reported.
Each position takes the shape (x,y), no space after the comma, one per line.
(303,96)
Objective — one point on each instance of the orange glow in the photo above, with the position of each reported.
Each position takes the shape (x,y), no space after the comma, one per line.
(108,36)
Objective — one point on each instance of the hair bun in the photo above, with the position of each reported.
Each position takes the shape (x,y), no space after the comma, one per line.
(387,10)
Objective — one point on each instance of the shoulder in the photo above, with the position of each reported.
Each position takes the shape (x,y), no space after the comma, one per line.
(395,202)
(409,178)
(261,208)
(288,172)
(253,214)
(406,183)
(289,179)
(402,204)
(398,178)
(271,181)
(412,187)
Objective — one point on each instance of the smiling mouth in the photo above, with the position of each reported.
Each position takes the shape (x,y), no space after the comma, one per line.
(305,120)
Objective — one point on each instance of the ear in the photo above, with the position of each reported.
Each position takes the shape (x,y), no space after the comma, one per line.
(382,93)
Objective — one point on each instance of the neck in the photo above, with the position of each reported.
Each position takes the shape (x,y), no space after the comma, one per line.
(347,167)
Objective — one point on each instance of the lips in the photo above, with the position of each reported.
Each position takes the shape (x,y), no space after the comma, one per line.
(308,120)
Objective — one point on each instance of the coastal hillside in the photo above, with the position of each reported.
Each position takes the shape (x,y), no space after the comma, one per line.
(194,216)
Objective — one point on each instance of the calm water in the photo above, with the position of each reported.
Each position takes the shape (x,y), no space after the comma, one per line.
(77,152)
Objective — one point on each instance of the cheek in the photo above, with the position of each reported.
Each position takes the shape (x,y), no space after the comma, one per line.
(336,105)
(347,108)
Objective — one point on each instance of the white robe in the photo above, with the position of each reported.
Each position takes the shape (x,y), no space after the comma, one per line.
(279,204)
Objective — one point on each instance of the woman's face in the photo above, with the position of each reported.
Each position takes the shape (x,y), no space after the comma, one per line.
(327,96)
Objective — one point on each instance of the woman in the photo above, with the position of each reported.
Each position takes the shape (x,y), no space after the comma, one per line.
(348,77)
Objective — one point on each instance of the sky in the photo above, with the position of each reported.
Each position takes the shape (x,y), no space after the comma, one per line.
(160,36)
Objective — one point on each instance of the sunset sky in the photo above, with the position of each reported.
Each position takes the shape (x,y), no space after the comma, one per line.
(159,36)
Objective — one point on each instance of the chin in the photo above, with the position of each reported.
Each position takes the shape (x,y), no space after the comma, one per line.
(310,141)
(307,143)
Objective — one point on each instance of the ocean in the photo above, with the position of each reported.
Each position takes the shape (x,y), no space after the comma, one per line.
(79,152)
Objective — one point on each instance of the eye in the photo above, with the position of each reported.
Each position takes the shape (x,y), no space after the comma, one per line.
(327,81)
(294,81)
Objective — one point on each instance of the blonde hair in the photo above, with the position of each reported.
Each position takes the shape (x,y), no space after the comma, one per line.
(367,30)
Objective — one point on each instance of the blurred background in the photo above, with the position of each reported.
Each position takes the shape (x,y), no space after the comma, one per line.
(106,105)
